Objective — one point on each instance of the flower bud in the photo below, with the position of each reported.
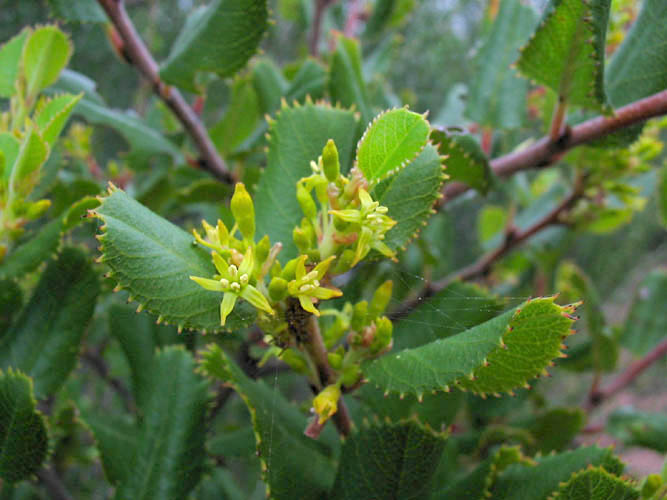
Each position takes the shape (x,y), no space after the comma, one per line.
(306,201)
(278,289)
(381,299)
(344,263)
(289,271)
(335,332)
(351,375)
(383,335)
(359,315)
(301,240)
(295,361)
(650,485)
(262,249)
(243,211)
(335,360)
(326,402)
(37,209)
(330,163)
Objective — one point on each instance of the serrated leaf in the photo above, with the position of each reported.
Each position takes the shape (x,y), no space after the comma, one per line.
(297,137)
(52,115)
(293,465)
(596,484)
(219,38)
(11,300)
(392,140)
(517,345)
(466,162)
(32,155)
(346,80)
(310,80)
(638,68)
(169,454)
(45,55)
(239,120)
(556,428)
(74,82)
(80,11)
(139,337)
(10,58)
(566,52)
(410,195)
(644,327)
(44,340)
(9,147)
(458,307)
(23,437)
(525,482)
(269,83)
(154,259)
(497,96)
(388,461)
(638,428)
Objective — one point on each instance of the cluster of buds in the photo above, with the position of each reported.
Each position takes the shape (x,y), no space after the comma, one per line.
(348,224)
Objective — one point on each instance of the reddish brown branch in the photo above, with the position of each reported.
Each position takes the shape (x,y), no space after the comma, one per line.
(97,363)
(628,376)
(316,31)
(546,151)
(135,51)
(513,238)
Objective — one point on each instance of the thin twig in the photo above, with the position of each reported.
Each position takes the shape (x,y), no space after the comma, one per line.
(513,238)
(135,51)
(318,16)
(545,151)
(53,484)
(627,377)
(97,363)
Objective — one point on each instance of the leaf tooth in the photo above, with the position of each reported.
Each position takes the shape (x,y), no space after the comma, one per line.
(159,320)
(140,308)
(117,288)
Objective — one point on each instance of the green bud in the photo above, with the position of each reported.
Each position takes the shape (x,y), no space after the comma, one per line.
(289,271)
(262,249)
(351,375)
(344,262)
(330,163)
(278,289)
(381,299)
(276,269)
(335,360)
(650,485)
(335,332)
(243,211)
(383,333)
(306,201)
(359,315)
(301,240)
(37,209)
(295,361)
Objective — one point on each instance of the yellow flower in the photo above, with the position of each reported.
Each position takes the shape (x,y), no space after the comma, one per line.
(306,286)
(326,402)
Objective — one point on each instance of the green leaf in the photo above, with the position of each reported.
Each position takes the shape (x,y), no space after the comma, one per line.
(556,428)
(11,300)
(458,307)
(51,116)
(116,438)
(80,11)
(346,80)
(309,81)
(644,328)
(154,259)
(23,437)
(566,52)
(497,97)
(44,340)
(269,83)
(293,465)
(139,336)
(10,57)
(239,120)
(45,55)
(169,456)
(297,136)
(465,162)
(662,195)
(637,428)
(596,484)
(387,14)
(390,142)
(491,221)
(388,461)
(410,194)
(218,38)
(74,82)
(525,482)
(23,174)
(496,356)
(9,147)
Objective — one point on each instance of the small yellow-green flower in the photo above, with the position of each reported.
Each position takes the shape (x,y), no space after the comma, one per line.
(306,286)
(235,283)
(217,238)
(326,402)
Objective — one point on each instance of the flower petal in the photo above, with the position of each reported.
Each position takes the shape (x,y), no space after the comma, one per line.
(322,268)
(307,305)
(212,285)
(300,270)
(256,298)
(248,263)
(220,264)
(349,215)
(226,306)
(325,293)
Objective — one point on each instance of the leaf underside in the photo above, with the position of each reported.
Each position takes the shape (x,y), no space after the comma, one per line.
(465,160)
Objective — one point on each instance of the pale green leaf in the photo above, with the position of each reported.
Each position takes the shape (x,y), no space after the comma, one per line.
(74,82)
(410,195)
(23,438)
(25,170)
(44,340)
(566,52)
(169,453)
(346,80)
(491,221)
(388,461)
(45,55)
(77,11)
(297,137)
(217,38)
(154,259)
(52,114)
(596,484)
(294,466)
(639,428)
(29,255)
(497,97)
(390,142)
(9,147)
(465,162)
(239,120)
(496,356)
(10,58)
(645,327)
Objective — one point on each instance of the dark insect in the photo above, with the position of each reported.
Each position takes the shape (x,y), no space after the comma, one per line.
(297,320)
